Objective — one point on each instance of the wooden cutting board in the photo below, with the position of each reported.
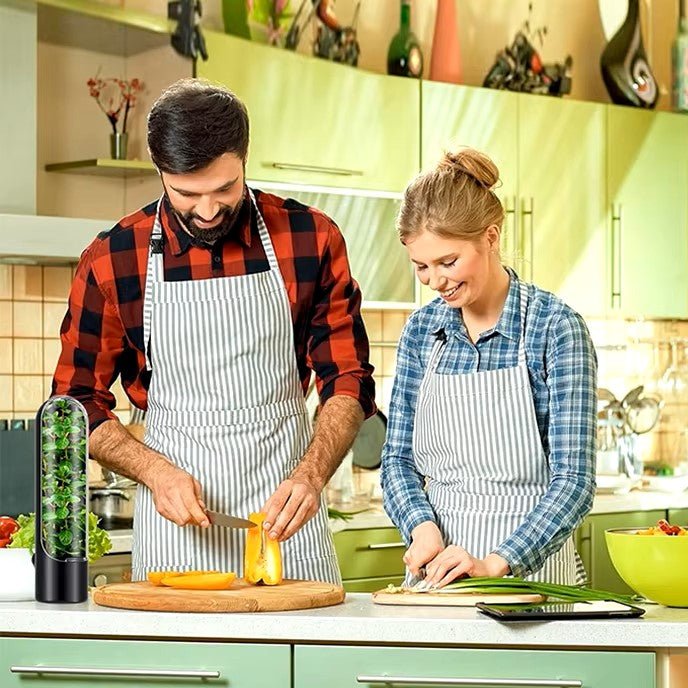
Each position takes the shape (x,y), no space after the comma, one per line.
(241,597)
(463,599)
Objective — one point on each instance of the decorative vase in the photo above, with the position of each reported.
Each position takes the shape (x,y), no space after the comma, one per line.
(624,65)
(118,146)
(445,61)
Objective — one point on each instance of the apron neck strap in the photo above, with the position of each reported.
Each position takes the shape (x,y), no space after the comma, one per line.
(523,301)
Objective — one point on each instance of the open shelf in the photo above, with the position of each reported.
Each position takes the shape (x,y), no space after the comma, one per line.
(105,167)
(100,28)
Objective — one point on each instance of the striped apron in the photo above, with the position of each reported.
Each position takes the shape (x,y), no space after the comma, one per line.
(476,440)
(225,404)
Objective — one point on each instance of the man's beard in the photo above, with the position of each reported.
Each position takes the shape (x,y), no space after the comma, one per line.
(211,235)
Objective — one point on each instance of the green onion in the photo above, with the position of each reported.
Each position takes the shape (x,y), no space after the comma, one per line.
(570,593)
(343,515)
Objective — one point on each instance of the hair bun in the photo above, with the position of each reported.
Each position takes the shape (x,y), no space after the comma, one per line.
(471,163)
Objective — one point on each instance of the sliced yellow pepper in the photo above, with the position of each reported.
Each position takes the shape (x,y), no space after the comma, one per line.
(202,581)
(156,577)
(262,558)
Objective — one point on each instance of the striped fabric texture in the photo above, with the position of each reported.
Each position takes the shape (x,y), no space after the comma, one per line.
(495,441)
(225,404)
(102,333)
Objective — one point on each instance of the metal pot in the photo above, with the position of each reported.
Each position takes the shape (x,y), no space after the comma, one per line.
(114,506)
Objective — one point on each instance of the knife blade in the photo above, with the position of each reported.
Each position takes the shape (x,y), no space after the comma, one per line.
(227,521)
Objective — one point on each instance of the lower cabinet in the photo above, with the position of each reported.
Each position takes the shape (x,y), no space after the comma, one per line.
(349,667)
(370,558)
(24,663)
(592,546)
(678,517)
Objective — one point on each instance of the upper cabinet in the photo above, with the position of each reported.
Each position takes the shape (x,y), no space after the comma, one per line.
(562,199)
(648,213)
(317,123)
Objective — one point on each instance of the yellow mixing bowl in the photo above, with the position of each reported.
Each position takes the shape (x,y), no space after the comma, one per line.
(655,566)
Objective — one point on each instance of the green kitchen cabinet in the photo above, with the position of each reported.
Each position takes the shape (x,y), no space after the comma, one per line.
(128,663)
(349,667)
(648,212)
(678,517)
(487,120)
(562,199)
(592,547)
(315,122)
(370,558)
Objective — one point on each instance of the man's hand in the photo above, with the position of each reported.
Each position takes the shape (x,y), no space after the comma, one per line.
(455,562)
(291,506)
(177,496)
(426,544)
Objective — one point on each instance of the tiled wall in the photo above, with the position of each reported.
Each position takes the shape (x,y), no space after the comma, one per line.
(33,301)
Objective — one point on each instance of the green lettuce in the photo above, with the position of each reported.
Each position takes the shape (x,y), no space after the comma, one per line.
(99,542)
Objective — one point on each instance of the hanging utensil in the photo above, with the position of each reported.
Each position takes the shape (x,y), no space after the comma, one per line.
(643,414)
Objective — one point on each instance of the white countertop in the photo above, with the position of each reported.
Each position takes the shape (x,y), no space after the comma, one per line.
(357,621)
(375,517)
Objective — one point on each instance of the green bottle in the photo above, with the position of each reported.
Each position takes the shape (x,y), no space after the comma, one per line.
(404,57)
(680,61)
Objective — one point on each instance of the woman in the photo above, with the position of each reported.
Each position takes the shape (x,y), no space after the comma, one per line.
(488,464)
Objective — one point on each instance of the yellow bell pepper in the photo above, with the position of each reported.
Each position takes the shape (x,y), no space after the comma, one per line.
(262,558)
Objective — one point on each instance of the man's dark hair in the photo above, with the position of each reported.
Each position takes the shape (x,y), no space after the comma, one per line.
(194,122)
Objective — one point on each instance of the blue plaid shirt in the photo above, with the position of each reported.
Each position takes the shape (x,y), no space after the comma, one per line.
(563,374)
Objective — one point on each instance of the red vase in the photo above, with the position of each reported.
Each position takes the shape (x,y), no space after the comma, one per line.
(445,62)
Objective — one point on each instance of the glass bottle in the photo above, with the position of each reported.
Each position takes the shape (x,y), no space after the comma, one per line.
(404,57)
(679,61)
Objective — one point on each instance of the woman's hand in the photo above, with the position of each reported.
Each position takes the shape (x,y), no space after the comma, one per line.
(455,562)
(426,544)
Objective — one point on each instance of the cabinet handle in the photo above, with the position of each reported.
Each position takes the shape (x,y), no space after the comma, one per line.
(528,211)
(129,673)
(511,238)
(339,171)
(387,545)
(616,257)
(491,682)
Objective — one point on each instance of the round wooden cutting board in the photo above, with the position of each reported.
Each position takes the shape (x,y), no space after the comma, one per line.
(241,597)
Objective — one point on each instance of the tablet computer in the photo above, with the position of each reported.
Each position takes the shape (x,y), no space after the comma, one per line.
(600,609)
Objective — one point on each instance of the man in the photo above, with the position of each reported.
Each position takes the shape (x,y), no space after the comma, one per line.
(213,304)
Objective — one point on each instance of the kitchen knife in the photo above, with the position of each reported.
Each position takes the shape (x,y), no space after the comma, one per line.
(227,521)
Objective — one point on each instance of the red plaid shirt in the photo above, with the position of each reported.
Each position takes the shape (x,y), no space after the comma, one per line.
(102,333)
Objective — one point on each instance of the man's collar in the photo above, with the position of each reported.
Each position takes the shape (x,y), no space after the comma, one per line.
(179,240)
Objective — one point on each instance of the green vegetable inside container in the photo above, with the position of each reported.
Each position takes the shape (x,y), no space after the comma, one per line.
(63,490)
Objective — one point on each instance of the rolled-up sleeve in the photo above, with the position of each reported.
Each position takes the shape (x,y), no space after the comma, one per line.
(92,339)
(338,348)
(571,370)
(403,487)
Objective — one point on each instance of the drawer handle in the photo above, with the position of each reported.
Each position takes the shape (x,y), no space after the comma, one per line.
(491,682)
(340,171)
(135,673)
(387,545)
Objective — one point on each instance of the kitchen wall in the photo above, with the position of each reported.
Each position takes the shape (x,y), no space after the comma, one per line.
(33,301)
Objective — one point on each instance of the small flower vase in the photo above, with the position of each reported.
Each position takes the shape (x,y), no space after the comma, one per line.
(445,62)
(118,146)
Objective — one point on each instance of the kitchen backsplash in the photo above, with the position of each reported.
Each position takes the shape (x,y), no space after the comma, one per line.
(33,301)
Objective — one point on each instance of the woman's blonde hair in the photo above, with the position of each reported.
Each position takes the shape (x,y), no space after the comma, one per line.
(453,200)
